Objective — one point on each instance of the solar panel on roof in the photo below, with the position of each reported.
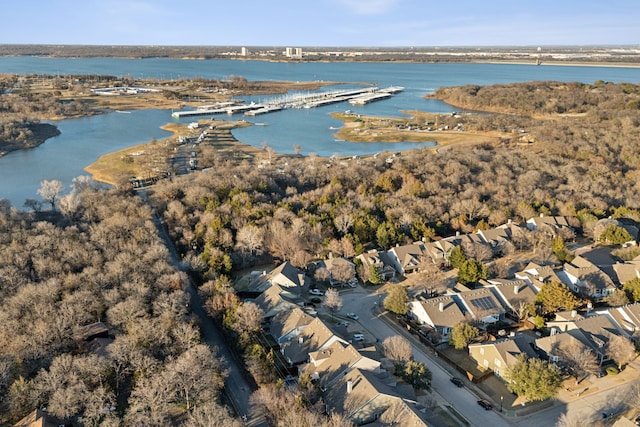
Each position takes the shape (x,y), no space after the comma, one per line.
(484,303)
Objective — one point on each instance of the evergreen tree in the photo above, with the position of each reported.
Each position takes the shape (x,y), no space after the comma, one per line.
(462,334)
(534,378)
(374,275)
(396,300)
(471,271)
(555,296)
(457,257)
(417,374)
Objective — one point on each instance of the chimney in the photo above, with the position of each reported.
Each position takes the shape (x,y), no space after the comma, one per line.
(301,279)
(300,340)
(541,215)
(349,386)
(509,221)
(330,255)
(457,233)
(574,313)
(516,289)
(441,306)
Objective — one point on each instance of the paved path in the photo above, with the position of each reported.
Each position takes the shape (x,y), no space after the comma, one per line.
(237,388)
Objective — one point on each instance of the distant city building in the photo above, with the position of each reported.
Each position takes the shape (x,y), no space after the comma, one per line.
(293,52)
(244,51)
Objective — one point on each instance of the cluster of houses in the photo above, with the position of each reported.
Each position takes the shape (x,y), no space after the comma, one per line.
(354,381)
(353,376)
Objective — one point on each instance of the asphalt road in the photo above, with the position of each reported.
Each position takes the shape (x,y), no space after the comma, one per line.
(236,387)
(461,400)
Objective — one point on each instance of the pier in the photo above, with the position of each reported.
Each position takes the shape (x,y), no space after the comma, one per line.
(318,99)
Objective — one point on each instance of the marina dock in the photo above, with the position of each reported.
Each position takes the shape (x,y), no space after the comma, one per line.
(312,100)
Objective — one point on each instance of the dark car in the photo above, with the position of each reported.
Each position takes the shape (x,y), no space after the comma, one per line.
(457,381)
(485,404)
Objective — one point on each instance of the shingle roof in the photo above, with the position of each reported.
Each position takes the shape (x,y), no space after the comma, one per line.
(288,320)
(314,336)
(450,315)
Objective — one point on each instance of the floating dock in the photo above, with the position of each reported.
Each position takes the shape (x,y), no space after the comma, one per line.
(312,100)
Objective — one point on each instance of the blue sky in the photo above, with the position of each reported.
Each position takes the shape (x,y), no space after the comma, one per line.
(322,22)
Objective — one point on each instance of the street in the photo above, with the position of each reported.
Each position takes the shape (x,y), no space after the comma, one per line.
(444,392)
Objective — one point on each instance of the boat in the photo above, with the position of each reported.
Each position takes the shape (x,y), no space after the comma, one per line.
(259,124)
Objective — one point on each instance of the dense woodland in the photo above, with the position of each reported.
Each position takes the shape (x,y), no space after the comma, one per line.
(98,257)
(583,165)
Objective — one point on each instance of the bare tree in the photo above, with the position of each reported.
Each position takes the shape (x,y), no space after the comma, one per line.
(50,190)
(397,349)
(580,360)
(249,240)
(321,274)
(621,350)
(247,318)
(332,300)
(393,414)
(342,270)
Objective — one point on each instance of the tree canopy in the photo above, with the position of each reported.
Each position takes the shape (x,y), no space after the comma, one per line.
(534,379)
(461,335)
(555,296)
(396,299)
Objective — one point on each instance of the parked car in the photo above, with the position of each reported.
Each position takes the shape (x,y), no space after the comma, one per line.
(353,283)
(457,381)
(317,292)
(353,316)
(485,404)
(342,323)
(358,337)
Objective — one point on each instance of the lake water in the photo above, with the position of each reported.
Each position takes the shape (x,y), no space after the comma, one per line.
(83,140)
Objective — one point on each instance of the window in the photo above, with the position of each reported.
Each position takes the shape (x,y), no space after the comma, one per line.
(481,350)
(497,362)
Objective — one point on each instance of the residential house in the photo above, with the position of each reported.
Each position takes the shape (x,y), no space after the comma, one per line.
(583,277)
(496,237)
(500,356)
(537,275)
(482,304)
(595,331)
(341,270)
(439,251)
(406,259)
(315,336)
(548,224)
(285,275)
(441,313)
(627,317)
(287,325)
(555,347)
(363,396)
(516,295)
(276,299)
(335,360)
(39,418)
(625,271)
(380,261)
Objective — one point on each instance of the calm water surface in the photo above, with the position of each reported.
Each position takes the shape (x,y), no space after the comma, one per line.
(83,140)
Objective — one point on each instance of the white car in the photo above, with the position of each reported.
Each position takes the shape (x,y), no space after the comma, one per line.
(317,292)
(358,337)
(353,316)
